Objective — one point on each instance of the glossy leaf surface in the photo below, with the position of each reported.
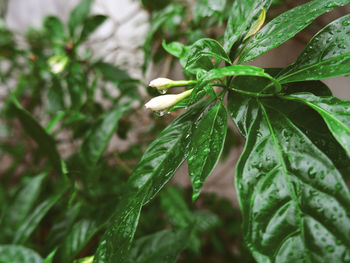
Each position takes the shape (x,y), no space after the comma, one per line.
(326,55)
(244,13)
(286,26)
(335,113)
(18,254)
(156,167)
(207,142)
(97,139)
(293,200)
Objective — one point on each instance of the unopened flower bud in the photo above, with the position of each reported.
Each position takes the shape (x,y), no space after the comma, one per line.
(57,63)
(162,84)
(166,101)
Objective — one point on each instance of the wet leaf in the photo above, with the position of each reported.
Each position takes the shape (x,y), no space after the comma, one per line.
(18,254)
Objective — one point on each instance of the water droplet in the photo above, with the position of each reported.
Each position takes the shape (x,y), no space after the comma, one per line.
(338,186)
(162,91)
(346,23)
(331,5)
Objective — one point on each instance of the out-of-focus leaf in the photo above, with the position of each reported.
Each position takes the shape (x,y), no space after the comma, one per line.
(49,258)
(156,167)
(207,142)
(54,28)
(97,139)
(208,8)
(175,207)
(23,202)
(76,84)
(32,221)
(206,220)
(286,26)
(113,73)
(37,132)
(76,239)
(163,246)
(78,15)
(90,25)
(18,254)
(326,55)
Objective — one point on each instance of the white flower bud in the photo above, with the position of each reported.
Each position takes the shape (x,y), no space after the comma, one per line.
(57,63)
(161,83)
(166,101)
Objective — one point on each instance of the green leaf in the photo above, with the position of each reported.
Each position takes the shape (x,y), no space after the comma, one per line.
(335,113)
(293,200)
(206,220)
(208,8)
(243,15)
(163,246)
(77,83)
(156,167)
(326,55)
(207,142)
(18,254)
(21,205)
(37,132)
(175,207)
(98,137)
(33,220)
(112,73)
(77,238)
(90,25)
(78,15)
(237,70)
(49,258)
(54,28)
(287,25)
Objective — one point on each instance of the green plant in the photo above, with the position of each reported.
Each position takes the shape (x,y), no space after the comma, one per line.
(86,206)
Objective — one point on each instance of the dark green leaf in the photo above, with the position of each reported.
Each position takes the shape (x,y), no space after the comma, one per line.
(326,55)
(76,81)
(90,25)
(97,139)
(243,15)
(49,258)
(335,113)
(18,254)
(286,26)
(32,221)
(206,220)
(21,205)
(163,246)
(207,142)
(293,199)
(76,239)
(112,73)
(37,132)
(175,207)
(78,15)
(156,167)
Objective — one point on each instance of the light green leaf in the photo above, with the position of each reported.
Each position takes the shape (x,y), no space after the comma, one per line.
(293,200)
(207,142)
(18,254)
(335,113)
(98,137)
(286,26)
(78,15)
(326,55)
